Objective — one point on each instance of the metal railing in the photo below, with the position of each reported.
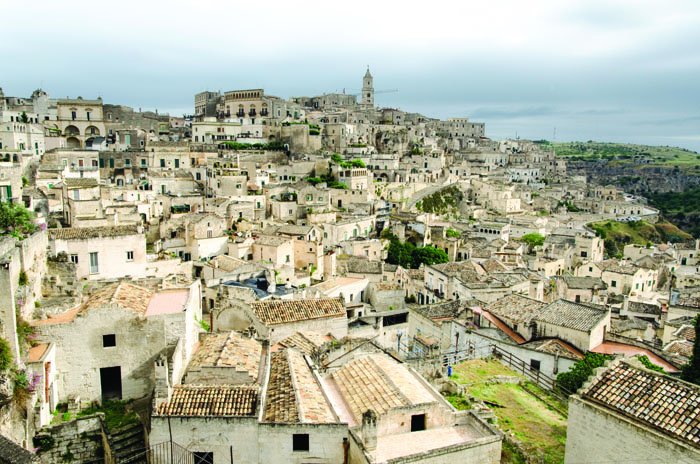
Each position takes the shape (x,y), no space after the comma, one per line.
(530,373)
(167,453)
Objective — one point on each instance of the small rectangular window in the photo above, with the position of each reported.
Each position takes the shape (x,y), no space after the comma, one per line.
(129,255)
(94,267)
(203,457)
(109,340)
(614,283)
(74,259)
(534,365)
(417,422)
(300,442)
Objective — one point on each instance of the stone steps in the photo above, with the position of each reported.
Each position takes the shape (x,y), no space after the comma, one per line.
(128,444)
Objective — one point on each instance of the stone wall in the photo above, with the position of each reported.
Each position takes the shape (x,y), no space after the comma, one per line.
(597,434)
(81,440)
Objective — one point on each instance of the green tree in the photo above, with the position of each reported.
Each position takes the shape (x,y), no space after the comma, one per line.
(24,117)
(427,255)
(691,371)
(533,240)
(336,158)
(15,218)
(581,371)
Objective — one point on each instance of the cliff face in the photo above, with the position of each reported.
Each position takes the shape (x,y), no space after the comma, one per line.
(634,178)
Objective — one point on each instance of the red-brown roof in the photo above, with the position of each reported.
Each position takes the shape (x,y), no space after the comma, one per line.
(274,312)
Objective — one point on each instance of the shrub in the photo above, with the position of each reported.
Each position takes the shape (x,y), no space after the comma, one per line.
(22,278)
(5,355)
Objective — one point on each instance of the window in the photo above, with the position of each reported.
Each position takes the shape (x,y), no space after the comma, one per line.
(534,365)
(417,422)
(614,283)
(127,163)
(73,115)
(94,266)
(300,442)
(578,298)
(177,163)
(584,254)
(109,340)
(162,163)
(203,457)
(111,162)
(129,255)
(74,259)
(143,162)
(287,259)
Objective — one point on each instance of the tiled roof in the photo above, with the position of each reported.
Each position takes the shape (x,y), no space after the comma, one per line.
(294,230)
(126,295)
(377,382)
(271,240)
(577,316)
(12,453)
(516,308)
(281,402)
(614,266)
(448,310)
(311,402)
(643,308)
(686,332)
(680,347)
(306,342)
(653,399)
(84,233)
(226,263)
(583,283)
(211,400)
(80,182)
(273,312)
(555,346)
(229,350)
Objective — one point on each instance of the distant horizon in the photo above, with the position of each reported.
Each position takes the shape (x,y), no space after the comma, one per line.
(609,70)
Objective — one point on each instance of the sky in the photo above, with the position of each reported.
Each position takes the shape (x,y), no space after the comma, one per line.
(618,71)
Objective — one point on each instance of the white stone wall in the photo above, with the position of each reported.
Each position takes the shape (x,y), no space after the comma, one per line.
(113,262)
(596,434)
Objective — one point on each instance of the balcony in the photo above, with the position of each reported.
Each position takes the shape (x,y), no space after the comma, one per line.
(251,113)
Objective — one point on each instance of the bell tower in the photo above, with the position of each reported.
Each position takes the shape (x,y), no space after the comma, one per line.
(368,89)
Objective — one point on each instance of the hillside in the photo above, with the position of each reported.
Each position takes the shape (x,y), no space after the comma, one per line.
(627,154)
(682,207)
(618,234)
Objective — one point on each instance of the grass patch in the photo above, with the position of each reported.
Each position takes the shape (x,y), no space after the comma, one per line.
(478,370)
(537,425)
(618,234)
(117,413)
(626,153)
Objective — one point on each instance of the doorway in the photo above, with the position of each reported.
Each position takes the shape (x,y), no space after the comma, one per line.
(111,383)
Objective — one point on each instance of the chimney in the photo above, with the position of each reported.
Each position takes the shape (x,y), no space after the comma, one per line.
(369,430)
(163,390)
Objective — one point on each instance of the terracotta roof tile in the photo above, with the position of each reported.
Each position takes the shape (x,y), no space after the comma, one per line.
(274,312)
(577,316)
(211,400)
(305,342)
(83,233)
(281,402)
(126,295)
(653,399)
(311,402)
(229,350)
(516,308)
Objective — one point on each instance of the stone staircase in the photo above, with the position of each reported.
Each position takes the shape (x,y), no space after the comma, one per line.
(128,444)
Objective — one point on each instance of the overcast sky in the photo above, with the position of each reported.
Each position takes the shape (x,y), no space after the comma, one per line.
(609,70)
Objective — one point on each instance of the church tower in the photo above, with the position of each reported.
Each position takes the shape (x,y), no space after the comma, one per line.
(367,89)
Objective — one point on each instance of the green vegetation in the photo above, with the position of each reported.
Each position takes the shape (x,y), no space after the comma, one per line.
(336,158)
(203,324)
(408,255)
(623,153)
(441,201)
(644,359)
(328,179)
(117,413)
(356,163)
(682,207)
(618,234)
(581,371)
(5,355)
(452,233)
(540,428)
(16,220)
(533,240)
(691,371)
(570,207)
(275,145)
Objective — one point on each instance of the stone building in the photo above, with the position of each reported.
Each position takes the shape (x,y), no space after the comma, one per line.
(80,121)
(106,347)
(627,413)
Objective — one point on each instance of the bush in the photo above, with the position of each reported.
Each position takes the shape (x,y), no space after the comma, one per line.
(22,278)
(581,371)
(5,355)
